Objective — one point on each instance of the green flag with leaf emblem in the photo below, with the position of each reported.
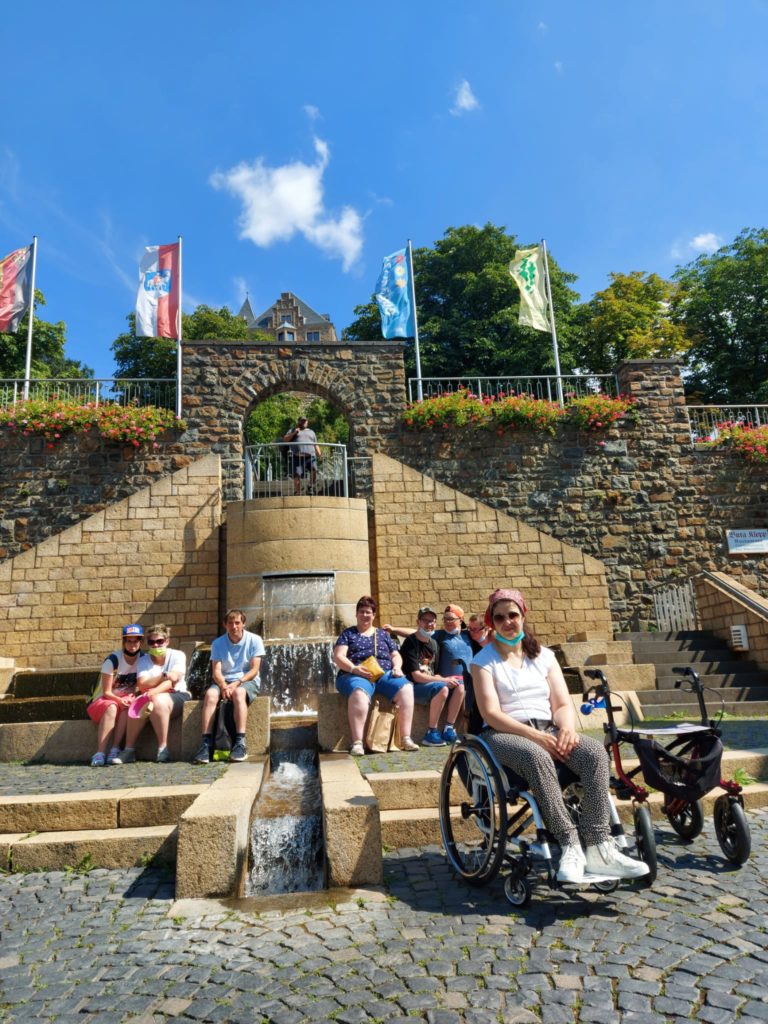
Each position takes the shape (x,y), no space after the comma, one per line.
(527,268)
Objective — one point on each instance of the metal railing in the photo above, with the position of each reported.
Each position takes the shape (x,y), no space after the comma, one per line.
(157,391)
(573,385)
(279,470)
(707,421)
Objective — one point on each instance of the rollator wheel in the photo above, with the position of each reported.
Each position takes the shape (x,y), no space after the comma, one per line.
(473,813)
(518,890)
(732,829)
(645,840)
(689,822)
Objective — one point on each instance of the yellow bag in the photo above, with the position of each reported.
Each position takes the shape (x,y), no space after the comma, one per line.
(371,663)
(373,667)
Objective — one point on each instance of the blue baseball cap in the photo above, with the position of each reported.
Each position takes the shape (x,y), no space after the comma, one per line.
(133,630)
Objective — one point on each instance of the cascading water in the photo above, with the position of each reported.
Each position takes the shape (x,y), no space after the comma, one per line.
(287,828)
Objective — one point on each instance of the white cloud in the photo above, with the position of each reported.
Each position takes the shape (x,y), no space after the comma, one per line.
(542,26)
(559,67)
(311,111)
(465,100)
(279,202)
(707,241)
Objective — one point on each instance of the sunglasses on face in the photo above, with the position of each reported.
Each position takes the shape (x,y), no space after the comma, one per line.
(157,641)
(502,617)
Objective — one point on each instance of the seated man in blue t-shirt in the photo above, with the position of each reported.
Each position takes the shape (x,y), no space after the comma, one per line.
(235,662)
(419,652)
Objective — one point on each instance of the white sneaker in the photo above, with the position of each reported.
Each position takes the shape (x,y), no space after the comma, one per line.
(572,862)
(357,749)
(607,859)
(407,744)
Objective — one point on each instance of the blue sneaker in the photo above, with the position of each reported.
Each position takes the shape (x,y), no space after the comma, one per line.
(449,734)
(433,738)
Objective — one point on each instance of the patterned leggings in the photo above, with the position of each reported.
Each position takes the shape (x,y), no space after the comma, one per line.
(588,760)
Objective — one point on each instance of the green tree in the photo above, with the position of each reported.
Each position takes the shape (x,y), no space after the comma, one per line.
(272,418)
(468,307)
(48,342)
(630,319)
(723,304)
(156,357)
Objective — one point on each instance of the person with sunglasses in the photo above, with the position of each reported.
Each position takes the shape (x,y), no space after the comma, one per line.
(113,696)
(455,651)
(161,676)
(523,698)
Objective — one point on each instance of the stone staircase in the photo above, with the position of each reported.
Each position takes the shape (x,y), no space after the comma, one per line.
(737,684)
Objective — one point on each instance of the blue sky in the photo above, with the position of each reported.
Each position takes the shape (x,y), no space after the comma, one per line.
(294,145)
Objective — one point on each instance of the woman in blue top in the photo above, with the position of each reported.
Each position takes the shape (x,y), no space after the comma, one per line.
(356,683)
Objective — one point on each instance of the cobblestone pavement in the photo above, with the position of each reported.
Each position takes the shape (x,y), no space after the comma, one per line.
(110,947)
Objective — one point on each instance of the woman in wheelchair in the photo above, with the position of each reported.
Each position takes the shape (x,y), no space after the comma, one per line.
(524,701)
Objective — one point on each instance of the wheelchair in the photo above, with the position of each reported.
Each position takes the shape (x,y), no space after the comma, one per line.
(486,813)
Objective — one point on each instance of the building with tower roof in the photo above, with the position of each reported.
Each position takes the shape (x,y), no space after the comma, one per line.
(290,320)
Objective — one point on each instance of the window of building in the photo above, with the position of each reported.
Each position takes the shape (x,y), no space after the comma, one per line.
(286,336)
(313,335)
(286,319)
(265,323)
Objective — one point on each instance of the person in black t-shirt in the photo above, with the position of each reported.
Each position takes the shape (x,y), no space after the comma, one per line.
(419,652)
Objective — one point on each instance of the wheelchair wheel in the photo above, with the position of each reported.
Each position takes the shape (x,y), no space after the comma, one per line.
(573,795)
(732,829)
(645,840)
(518,890)
(473,820)
(689,822)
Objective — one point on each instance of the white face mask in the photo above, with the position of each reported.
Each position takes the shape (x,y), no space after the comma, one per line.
(426,633)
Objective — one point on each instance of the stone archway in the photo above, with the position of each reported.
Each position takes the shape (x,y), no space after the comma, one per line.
(224,380)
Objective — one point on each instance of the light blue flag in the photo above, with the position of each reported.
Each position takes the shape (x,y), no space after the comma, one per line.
(393,297)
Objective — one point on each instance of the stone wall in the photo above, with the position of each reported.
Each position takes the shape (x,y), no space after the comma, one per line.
(153,556)
(434,545)
(45,489)
(225,380)
(639,499)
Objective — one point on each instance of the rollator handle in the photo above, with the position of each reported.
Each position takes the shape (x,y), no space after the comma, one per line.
(592,704)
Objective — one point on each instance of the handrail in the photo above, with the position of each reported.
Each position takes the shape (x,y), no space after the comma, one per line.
(156,391)
(706,421)
(269,465)
(573,385)
(759,608)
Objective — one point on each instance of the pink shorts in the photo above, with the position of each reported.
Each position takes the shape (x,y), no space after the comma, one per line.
(96,708)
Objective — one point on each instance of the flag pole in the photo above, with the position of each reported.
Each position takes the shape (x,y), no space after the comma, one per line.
(178,342)
(552,322)
(28,363)
(419,392)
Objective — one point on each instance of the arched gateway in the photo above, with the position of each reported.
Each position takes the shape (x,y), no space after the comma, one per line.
(224,380)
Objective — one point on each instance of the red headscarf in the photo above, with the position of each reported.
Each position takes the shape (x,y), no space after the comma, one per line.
(504,595)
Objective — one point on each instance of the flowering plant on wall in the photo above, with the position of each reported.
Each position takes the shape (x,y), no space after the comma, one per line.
(54,418)
(595,412)
(751,443)
(516,411)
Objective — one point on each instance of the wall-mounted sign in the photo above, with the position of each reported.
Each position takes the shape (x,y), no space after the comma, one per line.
(747,542)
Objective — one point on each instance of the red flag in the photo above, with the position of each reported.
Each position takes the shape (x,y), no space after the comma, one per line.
(15,275)
(158,300)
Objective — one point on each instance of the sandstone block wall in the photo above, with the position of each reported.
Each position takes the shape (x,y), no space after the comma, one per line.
(435,545)
(154,556)
(719,611)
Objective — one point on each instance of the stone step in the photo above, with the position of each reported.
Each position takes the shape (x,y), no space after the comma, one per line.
(743,709)
(421,826)
(54,682)
(408,791)
(666,680)
(688,639)
(81,849)
(141,807)
(42,709)
(726,693)
(706,656)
